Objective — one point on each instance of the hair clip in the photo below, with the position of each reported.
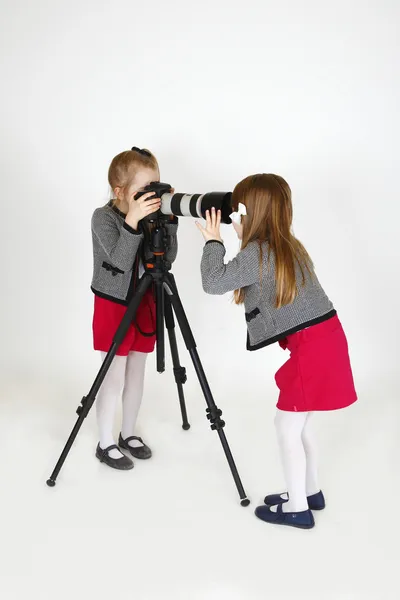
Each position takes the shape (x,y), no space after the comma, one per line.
(143,152)
(237,216)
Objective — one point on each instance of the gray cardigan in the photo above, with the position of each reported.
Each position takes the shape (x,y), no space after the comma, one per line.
(117,249)
(266,324)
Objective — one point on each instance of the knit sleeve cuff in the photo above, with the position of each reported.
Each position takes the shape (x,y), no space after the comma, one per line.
(214,250)
(215,242)
(130,229)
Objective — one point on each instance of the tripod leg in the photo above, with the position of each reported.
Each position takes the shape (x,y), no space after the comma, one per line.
(214,414)
(160,326)
(87,401)
(179,371)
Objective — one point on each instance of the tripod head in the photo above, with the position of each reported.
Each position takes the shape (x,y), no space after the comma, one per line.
(156,245)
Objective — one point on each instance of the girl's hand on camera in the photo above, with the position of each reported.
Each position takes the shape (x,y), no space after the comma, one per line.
(141,208)
(212,229)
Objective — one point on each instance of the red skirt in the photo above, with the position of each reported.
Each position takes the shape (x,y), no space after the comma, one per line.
(107,317)
(318,374)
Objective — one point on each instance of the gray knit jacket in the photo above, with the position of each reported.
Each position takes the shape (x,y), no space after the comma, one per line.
(266,324)
(117,250)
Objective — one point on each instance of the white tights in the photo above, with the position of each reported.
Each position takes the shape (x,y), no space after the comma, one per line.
(299,457)
(126,376)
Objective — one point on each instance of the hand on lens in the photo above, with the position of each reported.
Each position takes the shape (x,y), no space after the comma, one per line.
(212,229)
(141,208)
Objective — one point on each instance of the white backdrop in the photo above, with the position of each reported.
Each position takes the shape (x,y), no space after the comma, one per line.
(306,90)
(217,90)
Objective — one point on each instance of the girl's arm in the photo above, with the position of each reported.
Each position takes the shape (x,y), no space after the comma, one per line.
(219,278)
(172,230)
(120,246)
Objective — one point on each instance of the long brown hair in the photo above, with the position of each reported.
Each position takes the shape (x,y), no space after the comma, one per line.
(268,200)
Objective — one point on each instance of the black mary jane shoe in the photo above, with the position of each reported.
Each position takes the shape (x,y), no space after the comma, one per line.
(141,452)
(123,463)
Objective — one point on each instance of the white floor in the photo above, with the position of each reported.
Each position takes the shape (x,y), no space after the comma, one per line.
(173,528)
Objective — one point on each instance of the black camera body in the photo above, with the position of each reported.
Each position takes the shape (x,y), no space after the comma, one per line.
(157,187)
(159,190)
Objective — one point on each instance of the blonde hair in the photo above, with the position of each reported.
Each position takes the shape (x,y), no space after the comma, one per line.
(268,202)
(125,165)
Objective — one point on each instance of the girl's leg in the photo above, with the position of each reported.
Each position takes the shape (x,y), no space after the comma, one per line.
(289,428)
(132,395)
(310,449)
(106,402)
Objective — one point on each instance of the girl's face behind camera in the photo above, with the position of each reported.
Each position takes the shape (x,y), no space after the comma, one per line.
(143,177)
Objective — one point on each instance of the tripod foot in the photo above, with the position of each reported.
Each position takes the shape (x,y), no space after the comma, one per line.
(186,426)
(51,482)
(245,502)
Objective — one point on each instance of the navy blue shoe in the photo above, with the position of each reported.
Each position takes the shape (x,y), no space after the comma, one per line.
(315,502)
(302,520)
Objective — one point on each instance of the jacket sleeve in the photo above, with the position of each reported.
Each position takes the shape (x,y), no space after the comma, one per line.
(120,246)
(172,231)
(219,278)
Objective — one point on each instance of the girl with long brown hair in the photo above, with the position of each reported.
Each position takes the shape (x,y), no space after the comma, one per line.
(273,276)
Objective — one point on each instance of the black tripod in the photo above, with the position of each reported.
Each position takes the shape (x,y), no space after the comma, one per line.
(167,302)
